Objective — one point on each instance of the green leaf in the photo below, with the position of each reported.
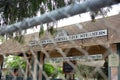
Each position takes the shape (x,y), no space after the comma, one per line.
(49,69)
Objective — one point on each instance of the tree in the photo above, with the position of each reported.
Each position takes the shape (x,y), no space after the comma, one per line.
(12,11)
(16,10)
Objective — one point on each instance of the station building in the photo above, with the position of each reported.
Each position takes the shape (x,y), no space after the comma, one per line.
(86,38)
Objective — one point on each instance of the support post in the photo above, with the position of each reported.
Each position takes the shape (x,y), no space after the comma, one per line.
(113,70)
(42,56)
(1,61)
(28,64)
(35,68)
(118,51)
(37,65)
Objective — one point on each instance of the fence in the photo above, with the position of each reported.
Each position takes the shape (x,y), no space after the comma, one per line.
(81,51)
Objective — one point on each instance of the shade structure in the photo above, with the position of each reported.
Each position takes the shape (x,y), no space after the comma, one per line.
(111,24)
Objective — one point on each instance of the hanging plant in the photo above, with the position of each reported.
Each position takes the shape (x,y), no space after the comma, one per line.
(52,30)
(19,39)
(41,32)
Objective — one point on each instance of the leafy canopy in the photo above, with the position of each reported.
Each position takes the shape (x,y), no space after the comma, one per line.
(16,10)
(12,11)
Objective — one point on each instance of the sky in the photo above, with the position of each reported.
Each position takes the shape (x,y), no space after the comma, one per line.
(79,18)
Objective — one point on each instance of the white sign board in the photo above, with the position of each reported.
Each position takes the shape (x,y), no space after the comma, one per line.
(113,60)
(80,58)
(98,33)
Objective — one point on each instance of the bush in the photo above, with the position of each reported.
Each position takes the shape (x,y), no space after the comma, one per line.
(50,70)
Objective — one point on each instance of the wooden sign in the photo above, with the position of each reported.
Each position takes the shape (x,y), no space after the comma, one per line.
(68,67)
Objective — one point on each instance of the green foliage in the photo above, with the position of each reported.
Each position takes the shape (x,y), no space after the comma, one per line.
(13,11)
(50,70)
(13,62)
(17,10)
(59,69)
(41,32)
(60,3)
(52,30)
